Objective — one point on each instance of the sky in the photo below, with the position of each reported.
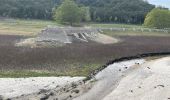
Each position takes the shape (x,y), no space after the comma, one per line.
(164,3)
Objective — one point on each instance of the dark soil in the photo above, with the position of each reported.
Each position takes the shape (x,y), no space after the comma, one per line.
(77,54)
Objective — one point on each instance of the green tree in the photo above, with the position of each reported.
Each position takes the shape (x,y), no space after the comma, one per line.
(158,18)
(68,13)
(85,13)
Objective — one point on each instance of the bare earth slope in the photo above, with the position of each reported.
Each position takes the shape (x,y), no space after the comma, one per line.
(150,82)
(142,81)
(108,79)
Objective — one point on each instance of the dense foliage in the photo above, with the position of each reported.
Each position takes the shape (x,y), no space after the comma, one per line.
(69,13)
(118,11)
(158,18)
(37,9)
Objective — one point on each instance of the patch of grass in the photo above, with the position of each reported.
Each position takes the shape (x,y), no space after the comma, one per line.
(133,33)
(73,71)
(24,73)
(23,27)
(115,25)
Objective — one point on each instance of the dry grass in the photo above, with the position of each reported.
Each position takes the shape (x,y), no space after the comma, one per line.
(23,27)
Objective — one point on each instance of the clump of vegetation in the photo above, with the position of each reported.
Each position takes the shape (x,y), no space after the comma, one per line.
(69,13)
(158,18)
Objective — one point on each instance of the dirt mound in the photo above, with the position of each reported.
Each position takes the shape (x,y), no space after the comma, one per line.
(56,36)
(32,42)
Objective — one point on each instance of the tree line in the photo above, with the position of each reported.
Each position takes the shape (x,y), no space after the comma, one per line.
(118,11)
(33,9)
(109,11)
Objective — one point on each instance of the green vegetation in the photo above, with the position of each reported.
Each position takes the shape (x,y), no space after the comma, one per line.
(33,9)
(158,18)
(117,11)
(115,25)
(70,13)
(134,33)
(74,71)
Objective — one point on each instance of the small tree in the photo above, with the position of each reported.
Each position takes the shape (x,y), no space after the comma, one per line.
(158,18)
(68,13)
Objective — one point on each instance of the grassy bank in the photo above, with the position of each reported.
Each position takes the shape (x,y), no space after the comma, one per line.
(72,71)
(105,25)
(134,33)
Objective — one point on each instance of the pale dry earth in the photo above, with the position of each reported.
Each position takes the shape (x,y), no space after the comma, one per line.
(15,87)
(151,81)
(108,79)
(132,80)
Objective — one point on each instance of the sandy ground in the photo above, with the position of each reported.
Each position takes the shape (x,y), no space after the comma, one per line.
(149,82)
(132,80)
(14,87)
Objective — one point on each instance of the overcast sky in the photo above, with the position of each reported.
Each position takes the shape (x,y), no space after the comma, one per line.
(165,3)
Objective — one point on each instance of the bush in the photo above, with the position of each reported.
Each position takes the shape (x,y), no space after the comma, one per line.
(70,13)
(158,18)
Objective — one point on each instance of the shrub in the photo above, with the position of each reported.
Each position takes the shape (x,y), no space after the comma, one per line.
(158,18)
